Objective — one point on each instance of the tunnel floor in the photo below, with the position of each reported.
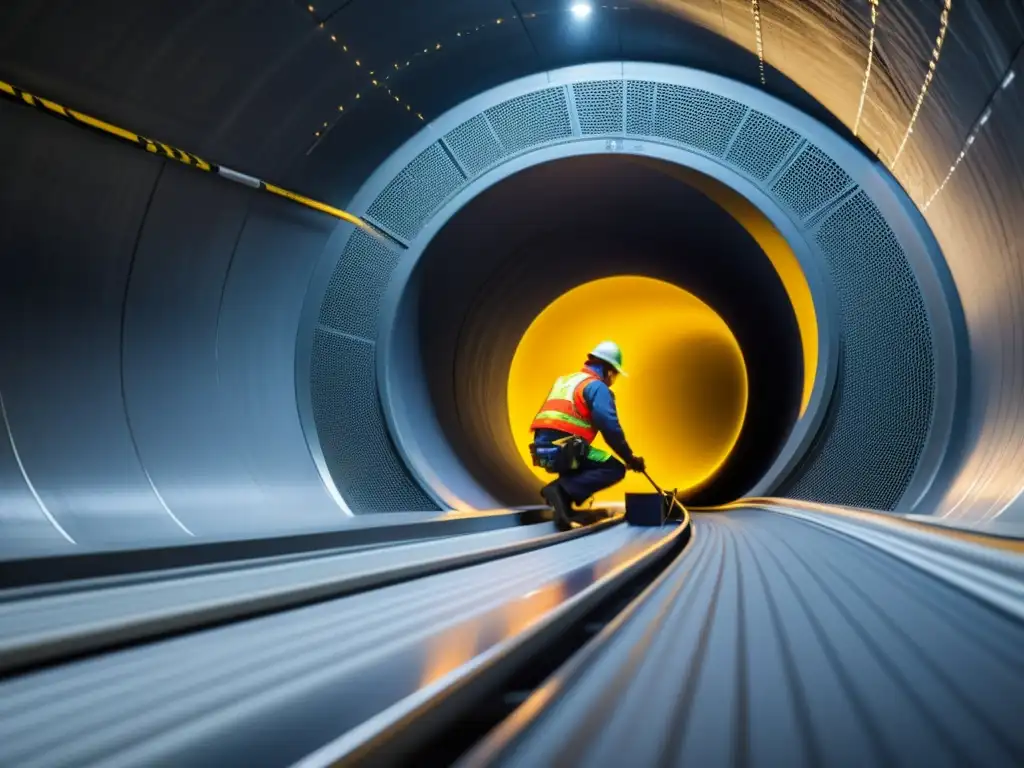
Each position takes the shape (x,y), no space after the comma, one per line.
(746,637)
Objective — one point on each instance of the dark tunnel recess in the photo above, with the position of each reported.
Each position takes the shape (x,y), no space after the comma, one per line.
(529,239)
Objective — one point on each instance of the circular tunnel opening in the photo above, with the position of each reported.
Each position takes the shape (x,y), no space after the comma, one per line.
(529,274)
(685,395)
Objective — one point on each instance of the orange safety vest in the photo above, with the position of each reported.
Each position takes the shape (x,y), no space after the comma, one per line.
(565,409)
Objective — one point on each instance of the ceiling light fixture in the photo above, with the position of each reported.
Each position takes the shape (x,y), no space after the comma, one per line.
(581,10)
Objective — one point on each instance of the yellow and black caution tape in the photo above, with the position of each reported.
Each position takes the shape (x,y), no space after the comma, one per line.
(173,153)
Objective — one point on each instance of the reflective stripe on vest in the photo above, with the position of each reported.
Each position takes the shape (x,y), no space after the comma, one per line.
(565,409)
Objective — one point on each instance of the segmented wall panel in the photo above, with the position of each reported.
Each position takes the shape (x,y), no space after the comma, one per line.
(886,383)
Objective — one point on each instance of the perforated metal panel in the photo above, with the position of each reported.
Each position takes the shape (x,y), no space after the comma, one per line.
(887,379)
(810,181)
(353,295)
(882,408)
(412,196)
(599,107)
(535,118)
(695,117)
(761,145)
(640,107)
(474,145)
(359,455)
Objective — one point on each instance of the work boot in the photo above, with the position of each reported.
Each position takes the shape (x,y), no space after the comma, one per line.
(557,499)
(589,516)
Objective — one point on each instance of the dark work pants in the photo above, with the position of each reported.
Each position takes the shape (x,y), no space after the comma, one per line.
(591,477)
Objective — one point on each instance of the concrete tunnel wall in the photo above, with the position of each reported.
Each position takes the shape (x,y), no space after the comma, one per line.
(149,313)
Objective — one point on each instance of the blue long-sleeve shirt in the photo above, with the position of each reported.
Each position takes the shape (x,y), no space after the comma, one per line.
(605,417)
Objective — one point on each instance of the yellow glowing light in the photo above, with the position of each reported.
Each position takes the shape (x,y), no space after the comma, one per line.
(867,71)
(755,9)
(779,253)
(449,651)
(929,75)
(685,399)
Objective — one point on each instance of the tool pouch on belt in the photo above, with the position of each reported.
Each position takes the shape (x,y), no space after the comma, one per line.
(562,456)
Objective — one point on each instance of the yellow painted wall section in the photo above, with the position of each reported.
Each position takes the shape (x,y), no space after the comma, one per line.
(775,248)
(683,404)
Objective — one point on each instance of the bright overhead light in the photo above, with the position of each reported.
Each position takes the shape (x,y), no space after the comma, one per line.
(581,10)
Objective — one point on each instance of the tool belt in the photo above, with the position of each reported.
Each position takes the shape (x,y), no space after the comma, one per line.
(561,456)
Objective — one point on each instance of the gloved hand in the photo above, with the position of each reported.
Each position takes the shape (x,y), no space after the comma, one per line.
(637,464)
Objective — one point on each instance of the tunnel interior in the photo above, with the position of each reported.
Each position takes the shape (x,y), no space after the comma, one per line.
(545,231)
(186,356)
(280,283)
(875,321)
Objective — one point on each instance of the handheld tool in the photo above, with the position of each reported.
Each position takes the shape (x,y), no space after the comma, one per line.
(670,499)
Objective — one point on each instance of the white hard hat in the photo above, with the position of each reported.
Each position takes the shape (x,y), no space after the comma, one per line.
(609,352)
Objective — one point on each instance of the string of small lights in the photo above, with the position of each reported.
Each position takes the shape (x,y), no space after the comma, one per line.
(933,64)
(867,71)
(755,8)
(383,80)
(1009,77)
(369,75)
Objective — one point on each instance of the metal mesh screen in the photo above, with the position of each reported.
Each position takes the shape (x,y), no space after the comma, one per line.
(353,295)
(535,118)
(407,202)
(359,455)
(695,117)
(474,145)
(640,107)
(887,376)
(761,145)
(880,414)
(599,106)
(810,181)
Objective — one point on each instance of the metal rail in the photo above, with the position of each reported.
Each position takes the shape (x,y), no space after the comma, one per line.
(431,727)
(1005,537)
(779,640)
(62,573)
(266,691)
(45,630)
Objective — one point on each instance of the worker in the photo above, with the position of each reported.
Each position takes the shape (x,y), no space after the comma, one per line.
(578,408)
